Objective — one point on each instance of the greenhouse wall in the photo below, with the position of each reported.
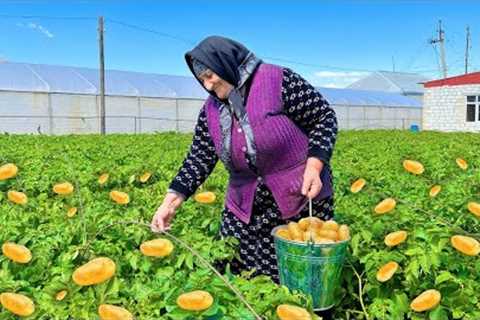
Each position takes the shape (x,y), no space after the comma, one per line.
(57,113)
(52,113)
(380,117)
(24,112)
(49,99)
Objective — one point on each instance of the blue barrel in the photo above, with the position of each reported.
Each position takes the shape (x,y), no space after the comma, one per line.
(414,128)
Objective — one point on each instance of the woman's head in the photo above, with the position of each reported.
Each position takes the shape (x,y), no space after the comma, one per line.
(210,80)
(215,62)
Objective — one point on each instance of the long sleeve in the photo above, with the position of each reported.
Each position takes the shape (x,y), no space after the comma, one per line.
(309,110)
(199,162)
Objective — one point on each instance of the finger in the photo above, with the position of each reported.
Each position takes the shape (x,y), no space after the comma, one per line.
(159,223)
(154,226)
(313,192)
(171,214)
(315,189)
(166,224)
(306,185)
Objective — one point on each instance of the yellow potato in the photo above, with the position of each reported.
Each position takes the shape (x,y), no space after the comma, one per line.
(330,225)
(329,234)
(295,232)
(310,222)
(283,233)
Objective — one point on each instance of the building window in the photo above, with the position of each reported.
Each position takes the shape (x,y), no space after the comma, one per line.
(473,108)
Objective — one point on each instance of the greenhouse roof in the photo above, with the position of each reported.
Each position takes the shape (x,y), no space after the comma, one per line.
(395,82)
(28,77)
(66,79)
(367,98)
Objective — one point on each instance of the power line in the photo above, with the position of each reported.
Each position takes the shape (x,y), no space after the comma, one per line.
(45,17)
(316,65)
(190,42)
(415,56)
(163,34)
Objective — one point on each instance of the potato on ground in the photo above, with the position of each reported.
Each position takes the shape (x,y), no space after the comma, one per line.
(197,300)
(427,300)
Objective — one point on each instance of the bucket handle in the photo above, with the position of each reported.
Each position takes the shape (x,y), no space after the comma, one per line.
(310,212)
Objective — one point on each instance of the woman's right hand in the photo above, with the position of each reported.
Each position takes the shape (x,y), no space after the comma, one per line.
(165,213)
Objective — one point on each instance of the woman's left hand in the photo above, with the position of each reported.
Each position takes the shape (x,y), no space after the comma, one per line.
(311,178)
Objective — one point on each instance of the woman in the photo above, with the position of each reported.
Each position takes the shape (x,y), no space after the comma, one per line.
(275,135)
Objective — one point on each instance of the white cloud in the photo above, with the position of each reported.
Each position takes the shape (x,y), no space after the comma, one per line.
(332,85)
(337,79)
(38,27)
(330,74)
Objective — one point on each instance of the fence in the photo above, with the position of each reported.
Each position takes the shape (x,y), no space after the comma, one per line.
(392,123)
(62,113)
(58,113)
(55,125)
(91,124)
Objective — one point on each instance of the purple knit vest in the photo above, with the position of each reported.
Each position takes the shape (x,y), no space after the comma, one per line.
(281,149)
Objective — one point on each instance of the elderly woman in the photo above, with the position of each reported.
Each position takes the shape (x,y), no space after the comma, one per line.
(274,133)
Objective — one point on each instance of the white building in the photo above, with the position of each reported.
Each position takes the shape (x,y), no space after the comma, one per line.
(452,104)
(36,98)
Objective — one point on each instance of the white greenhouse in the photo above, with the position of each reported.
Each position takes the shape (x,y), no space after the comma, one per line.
(50,99)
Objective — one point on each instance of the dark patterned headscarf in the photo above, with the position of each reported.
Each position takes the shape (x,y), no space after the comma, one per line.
(198,68)
(221,55)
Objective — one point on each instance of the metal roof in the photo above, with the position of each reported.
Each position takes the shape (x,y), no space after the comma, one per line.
(66,79)
(397,82)
(76,80)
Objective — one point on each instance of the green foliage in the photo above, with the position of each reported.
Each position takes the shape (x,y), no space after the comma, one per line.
(426,259)
(148,287)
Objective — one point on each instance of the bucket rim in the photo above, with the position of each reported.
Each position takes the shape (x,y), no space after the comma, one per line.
(305,244)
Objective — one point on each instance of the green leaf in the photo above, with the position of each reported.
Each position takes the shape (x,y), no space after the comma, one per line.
(189,261)
(212,311)
(458,314)
(180,259)
(438,313)
(378,227)
(367,235)
(444,276)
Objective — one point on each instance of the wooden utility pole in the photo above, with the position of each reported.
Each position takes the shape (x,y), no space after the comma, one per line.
(467,49)
(441,41)
(102,75)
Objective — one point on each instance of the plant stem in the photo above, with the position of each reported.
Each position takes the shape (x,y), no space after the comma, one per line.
(193,251)
(360,290)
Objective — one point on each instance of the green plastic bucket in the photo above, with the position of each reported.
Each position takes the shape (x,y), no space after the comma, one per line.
(313,269)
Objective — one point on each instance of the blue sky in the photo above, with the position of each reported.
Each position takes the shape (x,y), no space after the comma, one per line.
(332,43)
